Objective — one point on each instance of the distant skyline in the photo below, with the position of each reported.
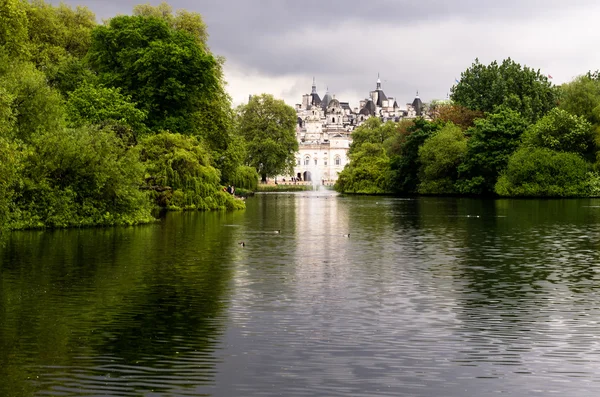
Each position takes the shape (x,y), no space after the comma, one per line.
(277,46)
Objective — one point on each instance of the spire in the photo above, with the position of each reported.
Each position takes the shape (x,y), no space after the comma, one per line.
(417,94)
(378,82)
(314,86)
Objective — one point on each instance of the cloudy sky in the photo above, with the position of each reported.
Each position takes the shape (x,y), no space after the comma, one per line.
(277,46)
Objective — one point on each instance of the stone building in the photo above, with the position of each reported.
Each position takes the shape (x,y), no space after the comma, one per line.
(324,129)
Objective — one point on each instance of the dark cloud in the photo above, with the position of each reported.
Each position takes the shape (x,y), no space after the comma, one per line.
(278,45)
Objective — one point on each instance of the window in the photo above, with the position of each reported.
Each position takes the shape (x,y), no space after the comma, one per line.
(325,161)
(338,161)
(333,119)
(307,160)
(298,161)
(315,161)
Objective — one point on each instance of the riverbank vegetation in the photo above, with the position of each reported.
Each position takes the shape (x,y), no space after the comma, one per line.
(506,131)
(101,124)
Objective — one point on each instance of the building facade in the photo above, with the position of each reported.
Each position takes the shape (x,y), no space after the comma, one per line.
(324,129)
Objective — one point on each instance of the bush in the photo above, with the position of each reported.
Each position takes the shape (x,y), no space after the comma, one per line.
(541,172)
(80,177)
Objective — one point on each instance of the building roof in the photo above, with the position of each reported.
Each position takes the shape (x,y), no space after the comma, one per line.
(418,105)
(369,109)
(326,99)
(315,99)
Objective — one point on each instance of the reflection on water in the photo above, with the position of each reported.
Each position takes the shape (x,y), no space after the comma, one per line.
(427,297)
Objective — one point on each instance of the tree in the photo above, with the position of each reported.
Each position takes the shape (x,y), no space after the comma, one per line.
(373,130)
(456,114)
(190,22)
(14,27)
(165,71)
(368,170)
(180,176)
(268,126)
(35,107)
(522,89)
(439,157)
(581,97)
(101,106)
(405,159)
(492,141)
(58,33)
(11,164)
(80,177)
(563,132)
(542,172)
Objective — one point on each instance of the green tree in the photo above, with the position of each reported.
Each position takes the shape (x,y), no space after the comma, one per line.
(180,176)
(58,33)
(492,141)
(439,157)
(564,132)
(11,165)
(35,107)
(101,106)
(80,177)
(373,130)
(581,97)
(183,20)
(542,172)
(268,126)
(367,172)
(404,161)
(14,27)
(522,89)
(165,71)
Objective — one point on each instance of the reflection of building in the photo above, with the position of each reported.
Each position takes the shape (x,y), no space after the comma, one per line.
(325,126)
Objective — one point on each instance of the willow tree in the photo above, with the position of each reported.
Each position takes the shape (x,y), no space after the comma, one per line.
(268,126)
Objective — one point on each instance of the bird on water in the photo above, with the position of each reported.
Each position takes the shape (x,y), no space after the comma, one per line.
(241,243)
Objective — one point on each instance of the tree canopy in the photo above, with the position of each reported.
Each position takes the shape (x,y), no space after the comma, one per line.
(268,126)
(525,90)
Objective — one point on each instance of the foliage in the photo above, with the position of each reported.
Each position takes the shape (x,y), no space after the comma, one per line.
(562,131)
(245,177)
(13,27)
(80,177)
(456,114)
(268,126)
(542,172)
(11,163)
(522,89)
(492,141)
(190,22)
(404,161)
(439,156)
(34,106)
(367,172)
(58,33)
(179,174)
(373,130)
(105,107)
(165,71)
(581,97)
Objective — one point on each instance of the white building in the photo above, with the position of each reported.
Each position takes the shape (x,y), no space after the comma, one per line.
(324,129)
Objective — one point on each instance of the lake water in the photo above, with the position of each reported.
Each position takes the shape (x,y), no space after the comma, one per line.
(427,297)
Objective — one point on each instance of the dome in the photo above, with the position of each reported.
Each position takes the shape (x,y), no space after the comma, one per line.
(334,103)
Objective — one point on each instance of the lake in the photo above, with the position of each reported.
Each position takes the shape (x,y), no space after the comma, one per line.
(426,297)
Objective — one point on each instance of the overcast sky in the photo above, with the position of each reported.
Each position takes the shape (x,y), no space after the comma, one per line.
(277,46)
